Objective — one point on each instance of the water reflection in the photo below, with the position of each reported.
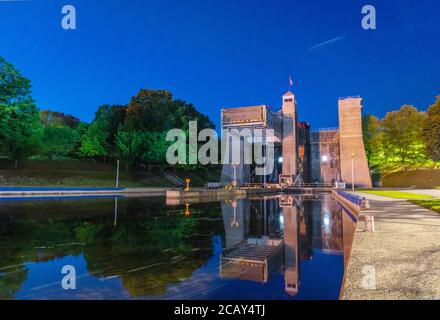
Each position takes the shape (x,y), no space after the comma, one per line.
(281,236)
(279,247)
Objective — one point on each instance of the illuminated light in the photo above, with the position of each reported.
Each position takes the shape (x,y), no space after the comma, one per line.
(324,158)
(281,219)
(280,159)
(326,221)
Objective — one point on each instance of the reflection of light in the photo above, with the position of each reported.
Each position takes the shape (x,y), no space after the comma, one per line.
(324,158)
(326,221)
(280,159)
(281,219)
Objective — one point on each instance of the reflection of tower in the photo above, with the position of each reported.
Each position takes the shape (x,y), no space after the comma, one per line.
(332,226)
(290,218)
(236,221)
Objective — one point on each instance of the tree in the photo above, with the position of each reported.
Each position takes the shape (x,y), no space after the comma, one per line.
(431,131)
(372,135)
(20,130)
(62,134)
(154,113)
(93,142)
(50,118)
(402,137)
(149,111)
(99,140)
(59,141)
(154,147)
(128,144)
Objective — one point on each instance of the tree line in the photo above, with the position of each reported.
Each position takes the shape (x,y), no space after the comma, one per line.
(403,139)
(134,133)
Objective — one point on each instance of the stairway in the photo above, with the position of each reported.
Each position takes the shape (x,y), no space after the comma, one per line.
(175,180)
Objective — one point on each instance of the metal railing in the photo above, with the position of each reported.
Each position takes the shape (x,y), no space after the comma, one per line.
(349,97)
(328,129)
(173,178)
(318,185)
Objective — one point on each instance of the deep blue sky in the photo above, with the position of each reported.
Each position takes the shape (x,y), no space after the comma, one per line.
(226,53)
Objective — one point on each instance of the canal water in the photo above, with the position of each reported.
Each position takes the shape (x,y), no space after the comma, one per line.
(278,247)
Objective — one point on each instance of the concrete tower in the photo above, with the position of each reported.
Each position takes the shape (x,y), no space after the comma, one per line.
(290,151)
(352,149)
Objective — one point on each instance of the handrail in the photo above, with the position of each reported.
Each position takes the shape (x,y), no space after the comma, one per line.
(349,97)
(328,129)
(173,178)
(219,185)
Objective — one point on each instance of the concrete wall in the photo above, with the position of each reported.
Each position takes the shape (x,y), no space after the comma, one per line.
(242,170)
(351,143)
(324,156)
(304,150)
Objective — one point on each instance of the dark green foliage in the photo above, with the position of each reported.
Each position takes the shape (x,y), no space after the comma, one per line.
(20,130)
(59,141)
(54,118)
(128,145)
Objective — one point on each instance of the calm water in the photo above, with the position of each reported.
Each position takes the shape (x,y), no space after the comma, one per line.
(281,247)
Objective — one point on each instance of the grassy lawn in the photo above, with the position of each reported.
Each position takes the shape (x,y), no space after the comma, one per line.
(429,204)
(396,194)
(76,173)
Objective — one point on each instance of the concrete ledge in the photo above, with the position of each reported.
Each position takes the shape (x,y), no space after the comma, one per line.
(13,192)
(347,203)
(182,194)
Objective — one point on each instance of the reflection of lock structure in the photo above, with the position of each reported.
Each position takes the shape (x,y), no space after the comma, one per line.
(234,222)
(286,201)
(187,180)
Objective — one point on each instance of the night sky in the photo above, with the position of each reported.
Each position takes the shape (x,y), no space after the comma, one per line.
(226,53)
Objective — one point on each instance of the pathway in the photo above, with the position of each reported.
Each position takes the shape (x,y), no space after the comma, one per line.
(404,251)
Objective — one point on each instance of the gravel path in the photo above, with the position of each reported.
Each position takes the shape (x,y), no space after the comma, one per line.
(404,251)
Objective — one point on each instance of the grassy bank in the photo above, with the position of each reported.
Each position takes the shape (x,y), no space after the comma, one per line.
(396,194)
(76,173)
(420,178)
(429,204)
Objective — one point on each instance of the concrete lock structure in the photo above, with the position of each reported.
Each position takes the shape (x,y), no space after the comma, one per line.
(301,155)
